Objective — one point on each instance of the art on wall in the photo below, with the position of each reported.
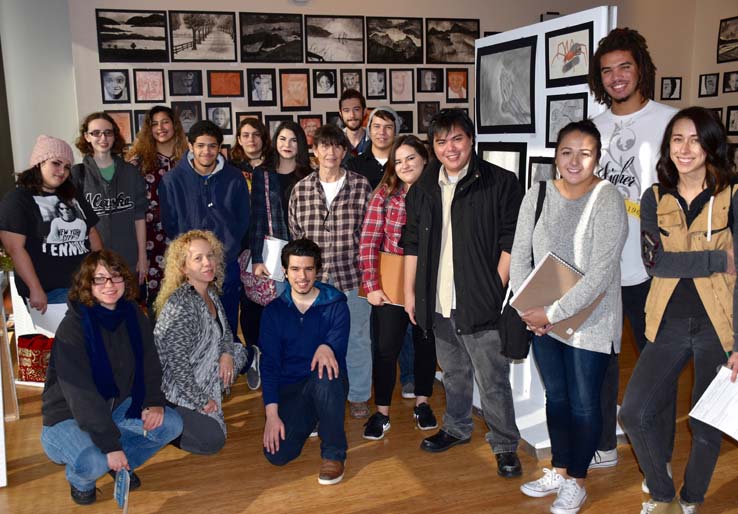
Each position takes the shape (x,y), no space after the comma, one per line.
(272,121)
(294,90)
(731,120)
(240,116)
(505,86)
(541,169)
(202,36)
(426,111)
(225,83)
(457,85)
(394,40)
(310,123)
(376,84)
(402,88)
(149,86)
(334,39)
(450,41)
(430,80)
(351,79)
(509,156)
(671,88)
(324,84)
(407,122)
(568,54)
(114,85)
(718,112)
(270,37)
(261,84)
(727,44)
(562,110)
(708,85)
(138,120)
(185,82)
(220,114)
(730,82)
(334,118)
(189,113)
(124,120)
(131,36)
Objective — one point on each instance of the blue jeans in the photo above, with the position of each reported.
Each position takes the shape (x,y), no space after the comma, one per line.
(66,443)
(407,358)
(58,295)
(231,297)
(301,406)
(359,353)
(573,381)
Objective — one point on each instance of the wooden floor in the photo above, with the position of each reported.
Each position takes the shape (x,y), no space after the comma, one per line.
(388,476)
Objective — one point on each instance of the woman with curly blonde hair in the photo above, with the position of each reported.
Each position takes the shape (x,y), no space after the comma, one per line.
(199,357)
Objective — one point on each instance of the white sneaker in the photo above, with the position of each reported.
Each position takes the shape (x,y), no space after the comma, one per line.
(604,459)
(688,508)
(654,507)
(549,483)
(570,498)
(644,485)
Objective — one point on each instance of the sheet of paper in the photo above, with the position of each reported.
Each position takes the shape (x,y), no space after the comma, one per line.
(718,406)
(272,255)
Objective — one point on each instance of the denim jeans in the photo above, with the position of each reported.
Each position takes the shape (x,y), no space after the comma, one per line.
(301,406)
(231,295)
(573,381)
(407,357)
(652,390)
(464,358)
(359,353)
(66,443)
(58,295)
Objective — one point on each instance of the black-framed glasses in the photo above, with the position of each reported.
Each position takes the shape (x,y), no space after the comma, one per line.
(101,281)
(98,133)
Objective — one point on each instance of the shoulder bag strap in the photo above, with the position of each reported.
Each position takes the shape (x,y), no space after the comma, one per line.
(268,203)
(539,208)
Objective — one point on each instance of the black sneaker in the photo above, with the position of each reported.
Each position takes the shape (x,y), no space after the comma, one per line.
(134,483)
(377,425)
(424,417)
(83,497)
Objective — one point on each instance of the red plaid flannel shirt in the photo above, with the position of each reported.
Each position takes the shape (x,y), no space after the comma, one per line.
(336,231)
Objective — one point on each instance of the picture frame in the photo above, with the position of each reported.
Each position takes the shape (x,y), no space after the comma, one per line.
(351,79)
(731,120)
(509,156)
(510,109)
(124,120)
(188,29)
(727,49)
(457,85)
(225,151)
(271,37)
(562,110)
(450,40)
(730,81)
(148,86)
(115,86)
(671,88)
(294,89)
(225,83)
(402,87)
(272,121)
(310,123)
(540,168)
(334,118)
(426,111)
(376,84)
(708,85)
(394,40)
(430,80)
(325,83)
(407,126)
(334,39)
(262,87)
(127,35)
(138,120)
(185,82)
(240,115)
(718,112)
(188,112)
(221,114)
(568,55)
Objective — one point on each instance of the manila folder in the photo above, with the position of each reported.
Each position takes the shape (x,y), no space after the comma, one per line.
(391,277)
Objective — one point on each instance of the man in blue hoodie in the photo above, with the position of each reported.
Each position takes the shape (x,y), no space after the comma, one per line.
(204,192)
(303,339)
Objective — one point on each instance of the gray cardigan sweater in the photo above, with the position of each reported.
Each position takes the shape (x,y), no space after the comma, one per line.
(588,233)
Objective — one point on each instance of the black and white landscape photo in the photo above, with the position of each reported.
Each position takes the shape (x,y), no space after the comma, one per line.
(131,36)
(727,45)
(202,36)
(334,39)
(394,40)
(450,41)
(269,37)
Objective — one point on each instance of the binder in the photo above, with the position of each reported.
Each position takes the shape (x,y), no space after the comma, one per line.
(391,278)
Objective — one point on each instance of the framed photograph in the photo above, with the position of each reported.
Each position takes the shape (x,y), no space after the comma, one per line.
(225,151)
(334,118)
(334,39)
(202,36)
(376,84)
(240,116)
(294,90)
(115,86)
(562,110)
(310,123)
(269,37)
(407,126)
(671,88)
(220,114)
(189,113)
(727,44)
(324,84)
(394,40)
(541,168)
(730,82)
(426,111)
(457,85)
(402,88)
(272,121)
(261,84)
(708,85)
(509,156)
(131,36)
(185,82)
(450,41)
(731,120)
(505,87)
(124,120)
(149,86)
(718,112)
(138,120)
(568,54)
(430,80)
(351,79)
(225,83)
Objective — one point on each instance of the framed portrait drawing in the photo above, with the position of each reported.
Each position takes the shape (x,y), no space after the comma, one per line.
(708,85)
(541,168)
(220,113)
(124,120)
(334,39)
(505,87)
(270,37)
(568,54)
(509,156)
(430,80)
(241,115)
(261,87)
(115,86)
(324,84)
(457,85)
(426,111)
(185,82)
(717,112)
(149,86)
(671,88)
(450,41)
(131,35)
(407,126)
(310,123)
(727,49)
(138,120)
(402,88)
(225,83)
(394,40)
(294,90)
(351,79)
(562,110)
(376,84)
(730,81)
(202,36)
(334,118)
(731,120)
(189,113)
(272,121)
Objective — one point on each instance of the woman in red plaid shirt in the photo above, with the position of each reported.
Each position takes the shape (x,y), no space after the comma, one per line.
(381,232)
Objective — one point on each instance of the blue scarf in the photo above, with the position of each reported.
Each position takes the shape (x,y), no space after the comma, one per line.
(102,373)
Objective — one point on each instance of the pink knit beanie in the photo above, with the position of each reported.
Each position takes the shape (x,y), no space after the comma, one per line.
(48,147)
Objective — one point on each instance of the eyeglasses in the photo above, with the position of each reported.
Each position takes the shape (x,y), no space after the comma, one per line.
(101,281)
(99,133)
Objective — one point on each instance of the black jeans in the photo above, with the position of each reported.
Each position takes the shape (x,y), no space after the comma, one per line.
(652,390)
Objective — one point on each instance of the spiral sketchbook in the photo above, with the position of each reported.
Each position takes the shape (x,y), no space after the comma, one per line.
(551,279)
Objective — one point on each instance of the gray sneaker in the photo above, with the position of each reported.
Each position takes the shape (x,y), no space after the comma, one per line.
(408,390)
(253,374)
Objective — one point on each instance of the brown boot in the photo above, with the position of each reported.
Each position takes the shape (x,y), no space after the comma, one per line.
(331,472)
(654,507)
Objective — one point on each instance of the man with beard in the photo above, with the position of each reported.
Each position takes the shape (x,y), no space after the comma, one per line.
(351,108)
